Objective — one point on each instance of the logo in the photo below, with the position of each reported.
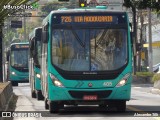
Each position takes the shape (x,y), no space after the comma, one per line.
(6,114)
(89,73)
(90,85)
(35,5)
(21,7)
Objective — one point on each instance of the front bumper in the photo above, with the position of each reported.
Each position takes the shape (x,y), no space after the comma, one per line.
(70,94)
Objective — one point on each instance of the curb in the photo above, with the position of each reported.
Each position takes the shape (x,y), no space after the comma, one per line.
(6,94)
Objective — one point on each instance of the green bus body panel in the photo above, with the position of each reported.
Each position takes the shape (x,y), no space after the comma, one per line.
(19,76)
(61,93)
(119,93)
(37,80)
(56,93)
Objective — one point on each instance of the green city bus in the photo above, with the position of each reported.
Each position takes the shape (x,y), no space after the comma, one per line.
(35,63)
(86,58)
(17,71)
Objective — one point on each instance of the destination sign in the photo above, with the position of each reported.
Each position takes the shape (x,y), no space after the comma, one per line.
(20,46)
(65,19)
(86,19)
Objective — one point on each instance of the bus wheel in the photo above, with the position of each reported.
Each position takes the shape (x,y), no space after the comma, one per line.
(121,106)
(46,103)
(39,95)
(33,94)
(53,107)
(14,83)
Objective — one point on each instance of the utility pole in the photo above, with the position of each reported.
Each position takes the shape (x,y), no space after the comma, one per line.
(134,39)
(150,55)
(140,39)
(24,24)
(1,63)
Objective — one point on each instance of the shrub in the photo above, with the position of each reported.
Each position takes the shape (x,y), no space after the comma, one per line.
(156,77)
(144,74)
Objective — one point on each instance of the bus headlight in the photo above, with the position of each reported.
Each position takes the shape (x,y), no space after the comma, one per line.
(123,81)
(38,76)
(55,81)
(13,73)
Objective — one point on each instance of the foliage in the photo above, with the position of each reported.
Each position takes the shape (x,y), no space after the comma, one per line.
(144,74)
(29,27)
(143,4)
(47,8)
(8,36)
(156,77)
(127,3)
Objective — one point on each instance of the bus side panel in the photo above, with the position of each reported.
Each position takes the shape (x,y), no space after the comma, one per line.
(37,80)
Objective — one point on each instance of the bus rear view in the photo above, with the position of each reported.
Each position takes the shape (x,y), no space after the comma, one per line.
(18,63)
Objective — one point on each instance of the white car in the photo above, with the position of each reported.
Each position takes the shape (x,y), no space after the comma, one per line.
(156,68)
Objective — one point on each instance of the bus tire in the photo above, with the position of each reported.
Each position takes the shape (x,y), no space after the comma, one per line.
(14,83)
(39,95)
(46,104)
(121,106)
(53,107)
(33,94)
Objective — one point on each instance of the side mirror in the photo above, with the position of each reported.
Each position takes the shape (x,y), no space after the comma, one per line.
(36,63)
(7,55)
(45,33)
(131,34)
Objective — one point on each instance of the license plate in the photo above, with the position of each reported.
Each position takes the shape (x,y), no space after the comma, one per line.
(90,97)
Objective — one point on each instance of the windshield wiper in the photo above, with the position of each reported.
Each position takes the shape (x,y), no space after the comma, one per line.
(77,38)
(100,39)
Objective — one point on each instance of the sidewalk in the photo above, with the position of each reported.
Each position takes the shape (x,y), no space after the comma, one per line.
(155,91)
(145,82)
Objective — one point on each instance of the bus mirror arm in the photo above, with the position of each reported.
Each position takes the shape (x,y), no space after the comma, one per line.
(44,36)
(36,62)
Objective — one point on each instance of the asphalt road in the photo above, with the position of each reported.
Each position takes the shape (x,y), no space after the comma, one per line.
(142,102)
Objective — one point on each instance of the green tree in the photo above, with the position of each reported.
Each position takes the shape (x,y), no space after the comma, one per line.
(135,6)
(47,8)
(8,36)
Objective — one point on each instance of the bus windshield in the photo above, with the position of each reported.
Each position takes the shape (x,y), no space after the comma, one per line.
(19,58)
(95,49)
